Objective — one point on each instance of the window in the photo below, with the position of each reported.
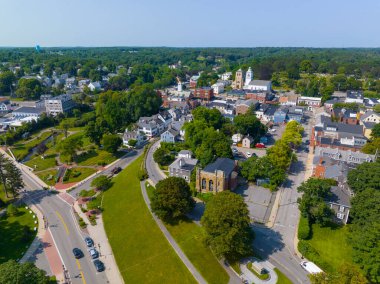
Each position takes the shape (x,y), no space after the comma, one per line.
(210,185)
(341,208)
(203,183)
(340,216)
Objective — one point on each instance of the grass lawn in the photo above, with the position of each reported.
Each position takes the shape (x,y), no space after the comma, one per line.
(39,164)
(48,176)
(141,250)
(97,157)
(4,198)
(332,245)
(281,278)
(189,237)
(13,241)
(77,174)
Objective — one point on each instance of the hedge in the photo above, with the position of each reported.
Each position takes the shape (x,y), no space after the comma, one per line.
(304,228)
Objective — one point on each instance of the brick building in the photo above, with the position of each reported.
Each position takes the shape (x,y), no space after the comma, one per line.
(204,93)
(218,176)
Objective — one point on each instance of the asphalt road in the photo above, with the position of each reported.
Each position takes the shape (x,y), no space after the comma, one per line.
(65,232)
(154,173)
(277,243)
(123,162)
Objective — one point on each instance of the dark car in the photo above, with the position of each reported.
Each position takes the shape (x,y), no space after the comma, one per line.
(99,266)
(89,242)
(116,170)
(77,253)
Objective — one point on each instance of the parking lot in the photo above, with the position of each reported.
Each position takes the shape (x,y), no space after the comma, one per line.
(259,200)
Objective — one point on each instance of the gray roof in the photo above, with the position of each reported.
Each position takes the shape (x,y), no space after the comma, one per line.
(184,164)
(339,196)
(246,102)
(173,132)
(369,125)
(177,125)
(368,114)
(185,152)
(259,82)
(221,164)
(342,127)
(342,155)
(31,110)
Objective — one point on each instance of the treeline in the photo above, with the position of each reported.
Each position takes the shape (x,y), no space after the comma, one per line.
(276,162)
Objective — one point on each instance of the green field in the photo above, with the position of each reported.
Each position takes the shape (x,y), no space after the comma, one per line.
(77,174)
(48,176)
(96,157)
(332,245)
(141,250)
(13,241)
(281,278)
(189,237)
(39,164)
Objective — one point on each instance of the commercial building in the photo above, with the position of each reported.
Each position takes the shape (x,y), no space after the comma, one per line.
(59,104)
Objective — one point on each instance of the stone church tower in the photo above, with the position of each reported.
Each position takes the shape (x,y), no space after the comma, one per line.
(239,79)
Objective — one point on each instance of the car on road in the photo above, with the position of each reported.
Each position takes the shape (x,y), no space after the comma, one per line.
(248,154)
(235,151)
(116,170)
(93,253)
(99,265)
(89,242)
(272,130)
(77,253)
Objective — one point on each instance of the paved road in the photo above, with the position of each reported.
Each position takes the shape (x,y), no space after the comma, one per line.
(277,243)
(123,162)
(153,171)
(65,232)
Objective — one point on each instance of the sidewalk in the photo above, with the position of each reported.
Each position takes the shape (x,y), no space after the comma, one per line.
(99,236)
(198,277)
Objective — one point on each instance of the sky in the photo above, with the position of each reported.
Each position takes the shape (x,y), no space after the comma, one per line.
(193,23)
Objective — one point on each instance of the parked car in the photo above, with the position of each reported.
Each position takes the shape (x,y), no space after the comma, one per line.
(248,154)
(260,145)
(99,266)
(93,253)
(77,253)
(89,242)
(235,151)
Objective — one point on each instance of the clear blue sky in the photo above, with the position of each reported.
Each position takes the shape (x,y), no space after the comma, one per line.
(195,23)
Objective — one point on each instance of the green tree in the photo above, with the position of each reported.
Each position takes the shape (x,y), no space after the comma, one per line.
(364,176)
(93,132)
(29,88)
(111,142)
(376,131)
(14,179)
(12,272)
(12,210)
(172,199)
(227,224)
(7,78)
(249,124)
(347,274)
(65,125)
(101,183)
(163,157)
(372,146)
(132,142)
(70,146)
(306,66)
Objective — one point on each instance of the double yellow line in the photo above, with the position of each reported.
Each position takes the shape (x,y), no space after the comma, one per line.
(68,233)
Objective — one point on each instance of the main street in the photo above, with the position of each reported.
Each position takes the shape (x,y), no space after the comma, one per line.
(63,226)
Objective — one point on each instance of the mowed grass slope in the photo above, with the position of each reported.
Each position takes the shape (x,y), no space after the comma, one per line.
(141,250)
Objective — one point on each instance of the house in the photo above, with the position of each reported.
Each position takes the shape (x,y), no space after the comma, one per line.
(165,117)
(170,136)
(178,126)
(329,104)
(369,103)
(151,126)
(185,154)
(259,85)
(247,142)
(339,202)
(226,76)
(268,114)
(236,94)
(175,113)
(280,115)
(346,156)
(346,116)
(236,138)
(59,104)
(133,135)
(311,102)
(94,86)
(260,96)
(354,97)
(242,106)
(289,99)
(193,81)
(370,116)
(295,113)
(218,176)
(224,106)
(182,167)
(218,88)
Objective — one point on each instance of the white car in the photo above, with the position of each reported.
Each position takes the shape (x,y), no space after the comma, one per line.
(249,155)
(272,130)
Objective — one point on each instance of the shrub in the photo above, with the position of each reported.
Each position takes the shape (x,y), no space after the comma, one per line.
(142,174)
(92,219)
(82,223)
(12,210)
(304,228)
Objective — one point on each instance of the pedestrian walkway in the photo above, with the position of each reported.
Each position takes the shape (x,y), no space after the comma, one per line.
(171,241)
(98,234)
(252,278)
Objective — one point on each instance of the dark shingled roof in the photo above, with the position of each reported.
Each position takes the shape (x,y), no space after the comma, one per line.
(221,164)
(339,196)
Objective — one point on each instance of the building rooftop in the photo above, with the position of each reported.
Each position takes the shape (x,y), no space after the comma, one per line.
(339,196)
(221,164)
(31,110)
(259,83)
(184,164)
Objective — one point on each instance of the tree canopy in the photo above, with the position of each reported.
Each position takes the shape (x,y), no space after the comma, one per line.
(364,176)
(12,272)
(111,142)
(227,224)
(172,199)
